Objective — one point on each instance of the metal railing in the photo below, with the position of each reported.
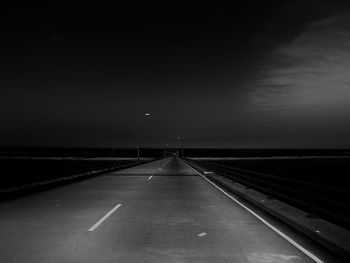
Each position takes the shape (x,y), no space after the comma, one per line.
(318,200)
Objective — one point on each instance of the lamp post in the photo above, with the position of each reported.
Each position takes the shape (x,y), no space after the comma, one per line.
(182,146)
(166,150)
(139,136)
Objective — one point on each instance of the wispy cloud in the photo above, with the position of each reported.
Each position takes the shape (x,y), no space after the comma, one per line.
(311,74)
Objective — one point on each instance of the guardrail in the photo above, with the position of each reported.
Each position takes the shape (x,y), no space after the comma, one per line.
(318,200)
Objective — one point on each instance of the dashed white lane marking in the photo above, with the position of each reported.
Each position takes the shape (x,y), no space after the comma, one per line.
(202,234)
(291,241)
(149,178)
(99,222)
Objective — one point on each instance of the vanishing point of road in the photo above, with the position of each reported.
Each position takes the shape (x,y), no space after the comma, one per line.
(162,211)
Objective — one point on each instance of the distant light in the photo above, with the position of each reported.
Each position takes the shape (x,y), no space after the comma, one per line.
(147,114)
(179,138)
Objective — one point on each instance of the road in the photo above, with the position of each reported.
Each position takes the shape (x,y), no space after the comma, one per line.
(161,211)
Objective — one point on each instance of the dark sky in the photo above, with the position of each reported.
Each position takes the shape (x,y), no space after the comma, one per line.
(254,74)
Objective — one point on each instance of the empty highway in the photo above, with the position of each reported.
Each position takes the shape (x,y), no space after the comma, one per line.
(161,211)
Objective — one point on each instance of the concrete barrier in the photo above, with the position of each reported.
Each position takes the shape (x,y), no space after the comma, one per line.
(16,191)
(324,233)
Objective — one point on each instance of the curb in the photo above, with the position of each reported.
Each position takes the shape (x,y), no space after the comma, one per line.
(324,233)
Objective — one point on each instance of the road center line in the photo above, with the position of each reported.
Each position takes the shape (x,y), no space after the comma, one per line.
(202,234)
(291,241)
(99,222)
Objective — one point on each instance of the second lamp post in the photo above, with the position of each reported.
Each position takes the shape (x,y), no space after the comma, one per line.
(139,135)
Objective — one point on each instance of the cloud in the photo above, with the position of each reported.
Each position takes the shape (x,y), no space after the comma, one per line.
(309,75)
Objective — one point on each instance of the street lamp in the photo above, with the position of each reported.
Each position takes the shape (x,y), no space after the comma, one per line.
(139,136)
(182,146)
(166,150)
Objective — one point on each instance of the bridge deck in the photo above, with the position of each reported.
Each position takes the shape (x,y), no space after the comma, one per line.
(164,214)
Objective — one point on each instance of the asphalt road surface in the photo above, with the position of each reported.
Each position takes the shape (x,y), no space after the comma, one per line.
(162,211)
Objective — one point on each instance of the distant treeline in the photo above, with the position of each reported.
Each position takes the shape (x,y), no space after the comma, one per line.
(159,152)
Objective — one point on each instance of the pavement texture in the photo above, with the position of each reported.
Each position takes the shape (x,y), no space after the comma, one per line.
(162,211)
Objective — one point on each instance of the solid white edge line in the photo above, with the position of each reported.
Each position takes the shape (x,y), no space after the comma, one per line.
(99,222)
(291,241)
